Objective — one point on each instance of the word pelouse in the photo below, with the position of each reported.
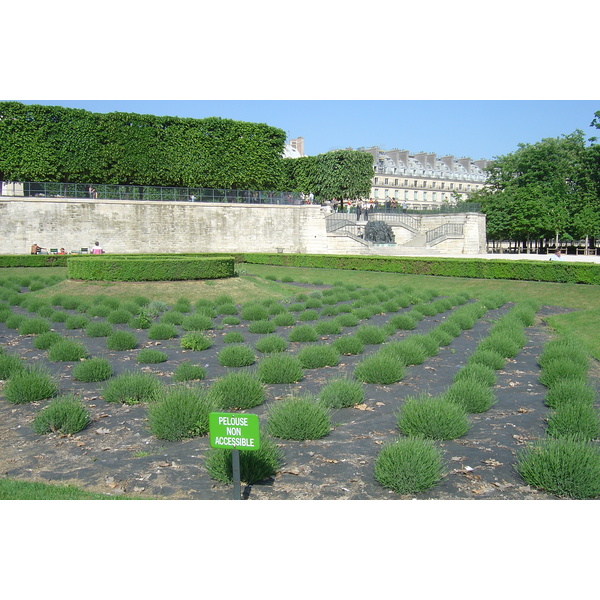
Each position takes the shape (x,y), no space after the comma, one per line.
(238,421)
(234,441)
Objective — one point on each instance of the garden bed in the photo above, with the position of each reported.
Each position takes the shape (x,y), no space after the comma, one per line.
(117,453)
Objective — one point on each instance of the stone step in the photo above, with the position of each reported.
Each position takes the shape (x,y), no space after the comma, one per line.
(418,241)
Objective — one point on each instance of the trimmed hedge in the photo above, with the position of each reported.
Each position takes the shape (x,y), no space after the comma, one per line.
(149,268)
(33,260)
(478,268)
(55,260)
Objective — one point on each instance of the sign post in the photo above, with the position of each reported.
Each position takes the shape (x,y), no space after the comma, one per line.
(237,432)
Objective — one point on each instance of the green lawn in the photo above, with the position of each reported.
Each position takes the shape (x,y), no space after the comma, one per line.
(585,299)
(23,490)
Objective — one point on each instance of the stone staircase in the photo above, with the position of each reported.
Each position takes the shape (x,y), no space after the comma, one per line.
(417,241)
(425,238)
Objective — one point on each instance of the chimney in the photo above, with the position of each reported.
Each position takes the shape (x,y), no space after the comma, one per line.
(403,156)
(422,158)
(466,163)
(394,155)
(448,161)
(298,145)
(373,151)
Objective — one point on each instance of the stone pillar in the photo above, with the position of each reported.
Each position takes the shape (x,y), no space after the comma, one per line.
(11,188)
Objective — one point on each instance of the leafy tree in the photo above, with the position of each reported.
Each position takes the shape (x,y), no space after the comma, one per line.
(543,190)
(595,123)
(56,144)
(340,174)
(26,148)
(132,149)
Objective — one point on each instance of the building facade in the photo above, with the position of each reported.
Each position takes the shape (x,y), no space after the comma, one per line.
(423,180)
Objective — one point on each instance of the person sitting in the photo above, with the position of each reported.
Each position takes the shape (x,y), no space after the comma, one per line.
(35,249)
(61,251)
(557,256)
(97,249)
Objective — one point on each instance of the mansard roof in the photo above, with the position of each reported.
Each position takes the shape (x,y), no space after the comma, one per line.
(425,164)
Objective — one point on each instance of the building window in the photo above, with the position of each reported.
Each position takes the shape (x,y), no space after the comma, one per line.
(433,196)
(406,183)
(443,184)
(451,186)
(406,194)
(416,183)
(385,182)
(424,196)
(376,181)
(376,193)
(433,185)
(396,194)
(424,184)
(416,195)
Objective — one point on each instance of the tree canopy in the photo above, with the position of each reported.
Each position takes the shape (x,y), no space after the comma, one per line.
(544,190)
(340,174)
(67,145)
(57,144)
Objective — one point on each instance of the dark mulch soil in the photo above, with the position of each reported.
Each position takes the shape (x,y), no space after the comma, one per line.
(117,453)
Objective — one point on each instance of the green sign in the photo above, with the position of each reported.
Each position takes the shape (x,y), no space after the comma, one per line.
(230,430)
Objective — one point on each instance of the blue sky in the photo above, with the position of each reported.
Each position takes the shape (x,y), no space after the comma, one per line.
(475,128)
(468,79)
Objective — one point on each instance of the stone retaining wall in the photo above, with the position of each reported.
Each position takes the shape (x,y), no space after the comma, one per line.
(128,227)
(122,227)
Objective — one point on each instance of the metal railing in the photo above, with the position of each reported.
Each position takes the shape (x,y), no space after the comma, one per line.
(346,227)
(409,221)
(443,230)
(399,218)
(158,193)
(337,221)
(197,194)
(423,208)
(447,208)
